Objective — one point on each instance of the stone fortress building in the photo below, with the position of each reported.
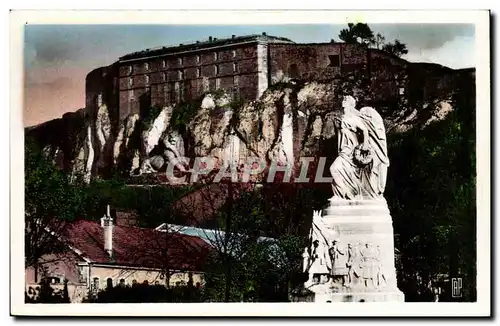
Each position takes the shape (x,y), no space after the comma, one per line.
(243,66)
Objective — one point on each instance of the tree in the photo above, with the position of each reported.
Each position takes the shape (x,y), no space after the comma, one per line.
(379,40)
(437,232)
(397,48)
(50,201)
(359,33)
(347,34)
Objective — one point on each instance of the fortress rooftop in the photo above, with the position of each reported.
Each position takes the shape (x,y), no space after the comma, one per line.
(201,45)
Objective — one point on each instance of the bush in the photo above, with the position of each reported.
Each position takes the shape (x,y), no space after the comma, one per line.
(146,293)
(46,294)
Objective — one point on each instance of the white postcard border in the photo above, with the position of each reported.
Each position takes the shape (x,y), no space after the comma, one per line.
(479,18)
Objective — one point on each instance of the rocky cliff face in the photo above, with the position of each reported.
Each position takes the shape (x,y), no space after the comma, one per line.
(289,121)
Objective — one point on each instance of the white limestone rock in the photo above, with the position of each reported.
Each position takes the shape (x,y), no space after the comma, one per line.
(89,154)
(175,152)
(118,143)
(279,77)
(103,126)
(157,162)
(136,160)
(78,167)
(208,102)
(315,96)
(130,127)
(223,101)
(441,111)
(157,128)
(127,127)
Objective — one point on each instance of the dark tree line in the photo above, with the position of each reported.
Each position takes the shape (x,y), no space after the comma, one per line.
(431,193)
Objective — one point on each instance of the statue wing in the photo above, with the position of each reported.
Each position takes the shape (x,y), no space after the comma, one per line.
(376,130)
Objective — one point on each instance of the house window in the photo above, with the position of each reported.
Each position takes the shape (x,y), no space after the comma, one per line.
(95,285)
(217,70)
(236,80)
(83,273)
(234,53)
(180,61)
(334,60)
(235,67)
(109,283)
(131,95)
(217,83)
(122,282)
(216,56)
(163,76)
(401,91)
(130,70)
(99,99)
(197,59)
(181,75)
(130,81)
(147,79)
(198,72)
(163,64)
(146,65)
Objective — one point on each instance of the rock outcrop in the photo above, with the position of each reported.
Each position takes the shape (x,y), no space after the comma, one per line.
(288,121)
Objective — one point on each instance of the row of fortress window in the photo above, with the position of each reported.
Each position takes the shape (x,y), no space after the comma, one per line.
(181,73)
(180,61)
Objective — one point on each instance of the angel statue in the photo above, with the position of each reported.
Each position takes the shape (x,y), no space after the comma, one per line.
(360,169)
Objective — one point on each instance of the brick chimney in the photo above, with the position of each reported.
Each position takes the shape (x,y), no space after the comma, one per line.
(210,38)
(107,225)
(233,36)
(264,33)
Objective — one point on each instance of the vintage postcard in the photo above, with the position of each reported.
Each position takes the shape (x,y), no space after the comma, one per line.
(282,163)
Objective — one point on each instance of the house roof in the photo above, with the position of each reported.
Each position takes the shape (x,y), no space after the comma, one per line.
(138,247)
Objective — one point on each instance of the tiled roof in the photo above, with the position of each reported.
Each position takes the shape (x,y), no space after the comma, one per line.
(139,247)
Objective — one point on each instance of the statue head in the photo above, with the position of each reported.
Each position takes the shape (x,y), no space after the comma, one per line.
(348,102)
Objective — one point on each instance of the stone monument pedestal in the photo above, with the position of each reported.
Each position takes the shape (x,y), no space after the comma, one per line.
(351,258)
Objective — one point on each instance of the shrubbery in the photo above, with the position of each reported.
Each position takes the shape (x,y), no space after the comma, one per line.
(146,293)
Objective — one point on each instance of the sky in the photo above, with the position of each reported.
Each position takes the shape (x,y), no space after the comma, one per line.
(58,57)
